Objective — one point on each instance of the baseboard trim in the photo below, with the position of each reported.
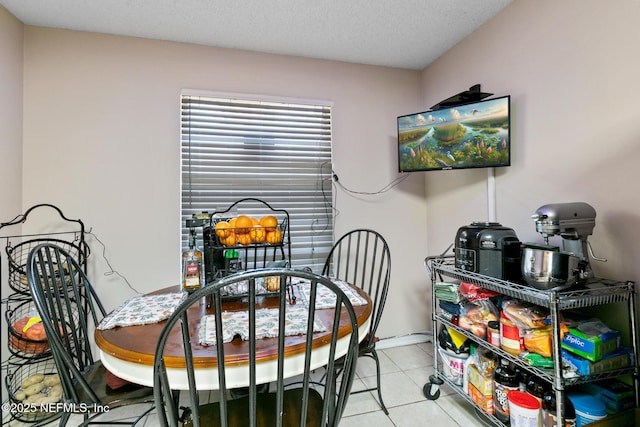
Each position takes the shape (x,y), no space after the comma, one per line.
(404,340)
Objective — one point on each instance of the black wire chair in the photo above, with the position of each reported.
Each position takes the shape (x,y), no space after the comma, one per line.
(362,258)
(296,400)
(69,308)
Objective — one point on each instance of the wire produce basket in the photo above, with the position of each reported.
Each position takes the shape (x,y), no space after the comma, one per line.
(34,391)
(30,343)
(227,234)
(18,256)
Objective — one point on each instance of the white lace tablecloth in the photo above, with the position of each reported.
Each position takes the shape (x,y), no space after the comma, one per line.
(143,310)
(236,323)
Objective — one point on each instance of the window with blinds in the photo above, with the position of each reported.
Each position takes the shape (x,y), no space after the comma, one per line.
(272,150)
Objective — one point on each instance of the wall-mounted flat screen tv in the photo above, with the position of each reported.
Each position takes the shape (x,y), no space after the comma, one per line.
(474,135)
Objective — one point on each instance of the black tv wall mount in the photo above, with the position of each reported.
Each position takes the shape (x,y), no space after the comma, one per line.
(472,95)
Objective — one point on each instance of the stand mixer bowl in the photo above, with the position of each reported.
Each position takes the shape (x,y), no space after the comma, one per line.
(548,269)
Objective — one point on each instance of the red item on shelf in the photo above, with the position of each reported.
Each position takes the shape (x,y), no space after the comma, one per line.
(474,292)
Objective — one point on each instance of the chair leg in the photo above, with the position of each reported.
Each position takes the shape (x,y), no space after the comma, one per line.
(374,354)
(64,419)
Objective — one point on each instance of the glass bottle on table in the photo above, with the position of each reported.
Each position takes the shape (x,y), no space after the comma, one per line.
(192,271)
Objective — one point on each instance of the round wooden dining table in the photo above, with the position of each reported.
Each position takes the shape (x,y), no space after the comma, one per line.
(128,352)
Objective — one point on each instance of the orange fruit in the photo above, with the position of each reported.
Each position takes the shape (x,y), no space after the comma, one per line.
(269,222)
(244,238)
(232,222)
(223,229)
(254,221)
(258,234)
(230,240)
(243,224)
(274,237)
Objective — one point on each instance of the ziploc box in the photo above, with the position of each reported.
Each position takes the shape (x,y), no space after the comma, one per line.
(591,339)
(619,359)
(616,395)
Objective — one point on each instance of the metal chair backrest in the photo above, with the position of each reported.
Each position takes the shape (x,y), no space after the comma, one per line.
(362,257)
(309,403)
(69,309)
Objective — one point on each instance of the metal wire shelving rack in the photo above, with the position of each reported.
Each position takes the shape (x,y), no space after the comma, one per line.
(595,292)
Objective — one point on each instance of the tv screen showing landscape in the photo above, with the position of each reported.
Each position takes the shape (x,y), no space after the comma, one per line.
(474,135)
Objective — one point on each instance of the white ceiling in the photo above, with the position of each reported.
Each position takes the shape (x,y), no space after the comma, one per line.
(395,33)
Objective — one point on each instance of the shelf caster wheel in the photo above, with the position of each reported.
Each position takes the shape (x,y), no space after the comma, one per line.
(431,389)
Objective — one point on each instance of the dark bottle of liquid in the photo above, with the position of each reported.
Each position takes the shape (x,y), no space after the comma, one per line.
(505,380)
(549,416)
(536,387)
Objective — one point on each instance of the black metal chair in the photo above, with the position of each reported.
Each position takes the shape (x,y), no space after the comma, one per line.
(362,258)
(301,402)
(69,308)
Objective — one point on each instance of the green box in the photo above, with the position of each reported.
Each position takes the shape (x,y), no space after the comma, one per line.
(592,340)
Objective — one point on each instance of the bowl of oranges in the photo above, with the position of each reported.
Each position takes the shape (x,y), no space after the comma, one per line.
(244,230)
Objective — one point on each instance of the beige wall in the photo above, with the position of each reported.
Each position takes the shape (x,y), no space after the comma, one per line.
(572,74)
(11,37)
(11,41)
(11,66)
(101,140)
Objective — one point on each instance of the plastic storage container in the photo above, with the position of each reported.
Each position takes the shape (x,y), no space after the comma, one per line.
(453,365)
(588,408)
(524,409)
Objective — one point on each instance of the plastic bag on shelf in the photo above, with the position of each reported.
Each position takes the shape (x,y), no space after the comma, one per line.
(526,316)
(539,341)
(474,316)
(474,292)
(486,361)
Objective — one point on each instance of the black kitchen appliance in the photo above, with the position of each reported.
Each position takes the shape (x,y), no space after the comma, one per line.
(490,249)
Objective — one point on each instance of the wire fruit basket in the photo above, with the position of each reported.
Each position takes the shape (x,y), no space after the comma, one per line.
(30,343)
(19,254)
(34,392)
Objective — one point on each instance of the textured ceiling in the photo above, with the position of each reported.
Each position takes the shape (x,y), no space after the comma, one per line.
(395,33)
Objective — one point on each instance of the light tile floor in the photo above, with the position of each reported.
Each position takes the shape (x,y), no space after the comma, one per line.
(405,370)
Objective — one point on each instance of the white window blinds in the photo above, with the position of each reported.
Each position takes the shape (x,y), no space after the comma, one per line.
(279,152)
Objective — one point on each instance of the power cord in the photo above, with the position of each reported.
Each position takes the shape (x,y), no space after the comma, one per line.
(384,189)
(111,270)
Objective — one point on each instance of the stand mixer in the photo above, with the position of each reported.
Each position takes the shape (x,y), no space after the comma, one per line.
(574,222)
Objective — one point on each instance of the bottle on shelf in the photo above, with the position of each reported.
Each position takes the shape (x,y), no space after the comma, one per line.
(536,387)
(493,333)
(505,379)
(549,409)
(511,339)
(192,271)
(465,371)
(232,261)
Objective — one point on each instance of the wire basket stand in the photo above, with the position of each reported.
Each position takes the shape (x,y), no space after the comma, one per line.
(29,352)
